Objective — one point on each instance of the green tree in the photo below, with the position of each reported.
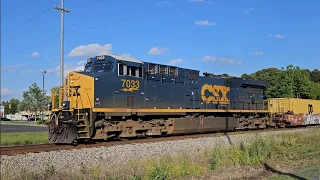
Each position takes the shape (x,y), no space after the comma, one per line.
(56,96)
(290,82)
(315,76)
(14,105)
(34,99)
(302,84)
(6,107)
(315,89)
(272,76)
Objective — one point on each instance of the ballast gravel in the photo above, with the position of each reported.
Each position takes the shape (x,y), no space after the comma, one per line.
(117,156)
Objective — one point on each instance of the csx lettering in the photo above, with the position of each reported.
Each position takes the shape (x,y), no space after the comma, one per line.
(215,94)
(130,85)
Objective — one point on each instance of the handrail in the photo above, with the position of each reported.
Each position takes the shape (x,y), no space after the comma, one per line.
(52,98)
(60,97)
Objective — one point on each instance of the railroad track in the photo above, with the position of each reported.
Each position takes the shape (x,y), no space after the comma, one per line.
(36,148)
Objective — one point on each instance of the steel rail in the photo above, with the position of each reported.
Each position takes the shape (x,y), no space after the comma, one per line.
(47,147)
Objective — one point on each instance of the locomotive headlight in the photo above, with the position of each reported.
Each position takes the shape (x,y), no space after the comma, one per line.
(49,106)
(66,105)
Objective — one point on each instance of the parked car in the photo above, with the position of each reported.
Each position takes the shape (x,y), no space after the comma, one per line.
(5,119)
(33,119)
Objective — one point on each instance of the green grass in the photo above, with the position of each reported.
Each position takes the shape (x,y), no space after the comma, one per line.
(23,138)
(283,150)
(171,167)
(43,122)
(312,172)
(25,123)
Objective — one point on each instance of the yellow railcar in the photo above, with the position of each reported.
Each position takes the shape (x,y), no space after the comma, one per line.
(294,106)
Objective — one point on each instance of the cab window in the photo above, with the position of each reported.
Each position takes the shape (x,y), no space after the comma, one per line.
(124,70)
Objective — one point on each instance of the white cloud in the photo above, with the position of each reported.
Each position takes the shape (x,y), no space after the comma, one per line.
(7,94)
(248,10)
(68,67)
(202,1)
(257,53)
(277,36)
(5,91)
(213,59)
(91,50)
(29,70)
(35,54)
(229,60)
(10,67)
(175,62)
(204,23)
(157,50)
(210,58)
(126,55)
(80,63)
(167,2)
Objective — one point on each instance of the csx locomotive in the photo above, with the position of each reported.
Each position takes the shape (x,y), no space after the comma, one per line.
(121,97)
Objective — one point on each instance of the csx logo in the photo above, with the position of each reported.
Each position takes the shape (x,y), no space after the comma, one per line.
(215,92)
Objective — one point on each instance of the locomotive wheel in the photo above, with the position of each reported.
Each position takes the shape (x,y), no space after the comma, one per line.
(61,132)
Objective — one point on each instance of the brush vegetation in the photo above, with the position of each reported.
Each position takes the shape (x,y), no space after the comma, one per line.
(279,149)
(23,138)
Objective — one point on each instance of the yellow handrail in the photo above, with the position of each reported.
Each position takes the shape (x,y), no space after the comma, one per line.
(52,99)
(60,97)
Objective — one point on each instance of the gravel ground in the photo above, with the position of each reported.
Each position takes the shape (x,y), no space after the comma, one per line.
(118,156)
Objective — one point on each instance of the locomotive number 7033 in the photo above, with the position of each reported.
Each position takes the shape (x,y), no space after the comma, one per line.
(130,85)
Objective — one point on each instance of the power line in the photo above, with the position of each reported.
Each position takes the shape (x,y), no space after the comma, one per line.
(30,19)
(19,5)
(88,4)
(19,11)
(62,11)
(30,29)
(125,20)
(52,37)
(137,17)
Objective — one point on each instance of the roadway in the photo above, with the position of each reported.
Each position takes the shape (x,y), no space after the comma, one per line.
(22,128)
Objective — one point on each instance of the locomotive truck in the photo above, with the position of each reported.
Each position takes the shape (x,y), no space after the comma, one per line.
(121,97)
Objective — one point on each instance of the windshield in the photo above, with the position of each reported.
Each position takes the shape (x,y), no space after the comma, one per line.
(87,68)
(102,67)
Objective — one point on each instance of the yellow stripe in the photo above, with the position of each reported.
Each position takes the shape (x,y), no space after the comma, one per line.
(56,110)
(175,110)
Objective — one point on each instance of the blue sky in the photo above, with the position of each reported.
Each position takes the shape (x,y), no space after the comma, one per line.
(221,36)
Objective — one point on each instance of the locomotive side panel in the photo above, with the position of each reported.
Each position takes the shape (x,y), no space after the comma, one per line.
(230,94)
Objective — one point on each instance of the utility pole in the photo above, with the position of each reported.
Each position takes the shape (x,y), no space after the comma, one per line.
(42,109)
(62,11)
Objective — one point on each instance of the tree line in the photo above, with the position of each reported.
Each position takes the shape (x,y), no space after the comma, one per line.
(292,82)
(34,99)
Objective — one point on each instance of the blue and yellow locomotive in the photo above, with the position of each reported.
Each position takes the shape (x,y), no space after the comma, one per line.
(121,97)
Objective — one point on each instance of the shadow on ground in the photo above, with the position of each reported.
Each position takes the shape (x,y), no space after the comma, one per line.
(270,169)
